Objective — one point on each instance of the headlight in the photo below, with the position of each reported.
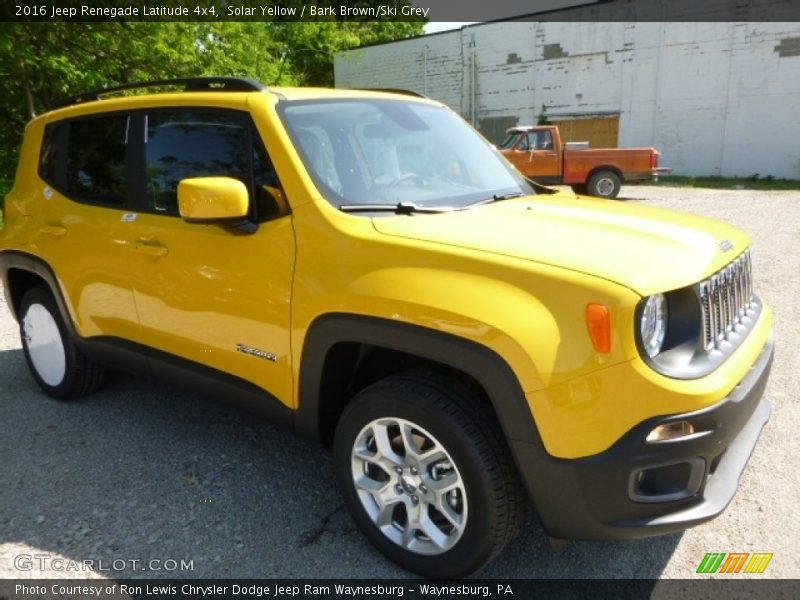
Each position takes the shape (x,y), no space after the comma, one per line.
(653,326)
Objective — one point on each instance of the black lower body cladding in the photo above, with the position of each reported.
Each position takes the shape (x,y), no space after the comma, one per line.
(638,489)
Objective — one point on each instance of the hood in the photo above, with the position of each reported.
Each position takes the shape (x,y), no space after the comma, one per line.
(647,249)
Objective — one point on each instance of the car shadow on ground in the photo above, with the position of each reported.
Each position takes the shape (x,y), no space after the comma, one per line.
(145,472)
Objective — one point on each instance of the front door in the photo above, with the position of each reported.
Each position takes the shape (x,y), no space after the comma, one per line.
(535,157)
(215,296)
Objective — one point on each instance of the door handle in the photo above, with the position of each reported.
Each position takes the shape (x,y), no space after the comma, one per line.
(55,230)
(143,246)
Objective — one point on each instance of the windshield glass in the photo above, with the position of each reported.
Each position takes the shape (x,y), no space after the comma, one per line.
(509,142)
(390,151)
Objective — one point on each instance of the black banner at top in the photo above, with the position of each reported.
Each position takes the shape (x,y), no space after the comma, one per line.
(400,10)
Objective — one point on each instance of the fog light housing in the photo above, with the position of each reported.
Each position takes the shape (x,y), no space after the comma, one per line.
(670,431)
(667,482)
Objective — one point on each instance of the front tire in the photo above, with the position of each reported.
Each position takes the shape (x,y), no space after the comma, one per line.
(56,363)
(426,474)
(605,184)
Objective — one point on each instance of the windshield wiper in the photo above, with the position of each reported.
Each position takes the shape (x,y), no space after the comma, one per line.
(401,208)
(497,198)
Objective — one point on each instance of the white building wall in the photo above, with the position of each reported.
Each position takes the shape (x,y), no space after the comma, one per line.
(762,127)
(430,65)
(714,98)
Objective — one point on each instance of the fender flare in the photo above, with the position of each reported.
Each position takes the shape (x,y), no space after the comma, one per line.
(534,465)
(483,364)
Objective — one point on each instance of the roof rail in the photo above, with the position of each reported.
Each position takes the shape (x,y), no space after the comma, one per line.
(190,84)
(394,91)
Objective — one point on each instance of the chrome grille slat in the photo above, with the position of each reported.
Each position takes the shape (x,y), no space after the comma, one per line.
(737,288)
(742,290)
(716,307)
(725,299)
(748,275)
(727,292)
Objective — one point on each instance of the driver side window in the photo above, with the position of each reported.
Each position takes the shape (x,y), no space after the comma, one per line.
(544,141)
(202,142)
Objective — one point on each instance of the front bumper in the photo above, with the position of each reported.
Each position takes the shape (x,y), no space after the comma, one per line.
(639,489)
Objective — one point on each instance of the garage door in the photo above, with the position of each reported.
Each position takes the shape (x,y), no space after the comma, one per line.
(600,132)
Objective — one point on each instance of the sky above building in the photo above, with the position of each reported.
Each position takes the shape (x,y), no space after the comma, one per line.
(438,26)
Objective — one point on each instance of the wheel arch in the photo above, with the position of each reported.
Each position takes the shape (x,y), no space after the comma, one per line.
(20,272)
(607,167)
(337,342)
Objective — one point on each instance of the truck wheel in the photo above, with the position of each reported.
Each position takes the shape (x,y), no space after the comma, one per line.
(605,184)
(57,365)
(426,474)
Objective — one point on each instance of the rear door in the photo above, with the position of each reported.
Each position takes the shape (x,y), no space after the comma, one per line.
(82,221)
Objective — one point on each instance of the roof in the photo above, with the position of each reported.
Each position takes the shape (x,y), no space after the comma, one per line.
(195,88)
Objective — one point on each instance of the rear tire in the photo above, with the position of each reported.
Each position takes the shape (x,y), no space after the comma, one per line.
(56,363)
(426,474)
(605,184)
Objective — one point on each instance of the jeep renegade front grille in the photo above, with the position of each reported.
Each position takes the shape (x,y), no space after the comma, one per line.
(725,298)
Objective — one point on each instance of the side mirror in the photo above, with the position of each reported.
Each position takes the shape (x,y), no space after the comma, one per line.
(213,200)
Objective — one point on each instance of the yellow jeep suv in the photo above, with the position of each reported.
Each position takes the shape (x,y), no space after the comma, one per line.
(367,270)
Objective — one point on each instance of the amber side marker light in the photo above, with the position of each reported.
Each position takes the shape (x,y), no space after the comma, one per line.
(598,320)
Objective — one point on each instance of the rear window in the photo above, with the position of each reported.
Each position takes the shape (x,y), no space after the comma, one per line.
(49,155)
(95,165)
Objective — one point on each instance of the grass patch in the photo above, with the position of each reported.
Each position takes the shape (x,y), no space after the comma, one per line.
(730,183)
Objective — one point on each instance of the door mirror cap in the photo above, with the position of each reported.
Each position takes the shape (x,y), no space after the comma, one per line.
(212,200)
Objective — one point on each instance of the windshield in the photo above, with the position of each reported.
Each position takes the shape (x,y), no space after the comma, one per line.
(510,141)
(391,151)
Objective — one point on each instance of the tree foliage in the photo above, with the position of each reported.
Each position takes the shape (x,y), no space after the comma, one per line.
(41,63)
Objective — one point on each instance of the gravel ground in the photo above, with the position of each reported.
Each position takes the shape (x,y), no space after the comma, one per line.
(144,471)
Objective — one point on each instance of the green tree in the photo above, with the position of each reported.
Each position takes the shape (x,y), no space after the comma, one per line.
(309,48)
(41,63)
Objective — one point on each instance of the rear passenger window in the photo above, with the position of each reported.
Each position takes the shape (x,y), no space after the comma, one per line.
(194,143)
(49,156)
(95,159)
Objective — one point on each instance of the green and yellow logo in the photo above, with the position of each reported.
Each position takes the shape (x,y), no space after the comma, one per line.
(734,562)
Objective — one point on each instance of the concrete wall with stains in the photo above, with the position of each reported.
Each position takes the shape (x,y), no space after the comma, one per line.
(714,98)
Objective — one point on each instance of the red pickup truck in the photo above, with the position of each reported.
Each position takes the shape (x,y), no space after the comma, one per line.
(538,153)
